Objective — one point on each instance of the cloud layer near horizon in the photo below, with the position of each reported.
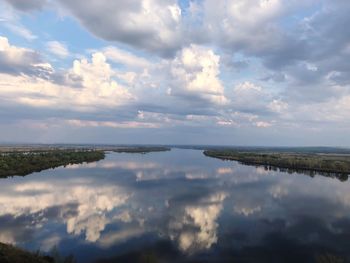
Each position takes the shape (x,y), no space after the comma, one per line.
(151,71)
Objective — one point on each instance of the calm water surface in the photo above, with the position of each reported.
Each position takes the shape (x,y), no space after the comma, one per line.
(177,206)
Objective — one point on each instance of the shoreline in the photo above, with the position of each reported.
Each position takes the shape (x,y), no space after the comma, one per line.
(24,161)
(329,165)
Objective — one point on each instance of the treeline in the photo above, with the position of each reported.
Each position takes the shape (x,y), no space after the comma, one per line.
(23,163)
(141,149)
(335,165)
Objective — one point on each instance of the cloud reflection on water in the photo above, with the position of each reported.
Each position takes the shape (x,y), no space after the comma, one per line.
(198,204)
(35,199)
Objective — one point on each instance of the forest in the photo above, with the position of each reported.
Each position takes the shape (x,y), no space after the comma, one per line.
(337,165)
(23,163)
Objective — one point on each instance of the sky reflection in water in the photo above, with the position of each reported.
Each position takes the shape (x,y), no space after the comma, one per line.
(178,206)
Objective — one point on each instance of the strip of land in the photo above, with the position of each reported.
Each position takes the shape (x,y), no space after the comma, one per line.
(337,164)
(26,159)
(74,147)
(23,163)
(140,149)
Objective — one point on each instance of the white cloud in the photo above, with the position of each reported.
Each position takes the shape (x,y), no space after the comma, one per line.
(125,58)
(263,124)
(16,60)
(246,87)
(148,24)
(196,74)
(15,54)
(87,86)
(99,88)
(111,124)
(278,106)
(57,48)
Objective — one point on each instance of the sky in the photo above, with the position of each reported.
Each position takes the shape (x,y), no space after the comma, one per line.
(222,72)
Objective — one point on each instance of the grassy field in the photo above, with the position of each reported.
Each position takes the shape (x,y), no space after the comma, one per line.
(23,163)
(332,164)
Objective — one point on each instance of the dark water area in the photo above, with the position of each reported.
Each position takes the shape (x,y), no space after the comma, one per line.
(177,206)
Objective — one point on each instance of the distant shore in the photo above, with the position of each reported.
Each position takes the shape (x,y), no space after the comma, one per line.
(83,147)
(24,160)
(143,149)
(337,165)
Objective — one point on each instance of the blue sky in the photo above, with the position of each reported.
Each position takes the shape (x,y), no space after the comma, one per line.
(234,72)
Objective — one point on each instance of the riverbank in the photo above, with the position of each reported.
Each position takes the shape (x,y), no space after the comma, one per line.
(24,160)
(24,163)
(333,164)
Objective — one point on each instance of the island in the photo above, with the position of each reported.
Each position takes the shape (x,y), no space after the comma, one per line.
(329,164)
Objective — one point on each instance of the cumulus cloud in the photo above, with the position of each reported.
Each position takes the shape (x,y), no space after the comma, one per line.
(196,74)
(152,25)
(16,60)
(227,64)
(300,50)
(86,86)
(98,86)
